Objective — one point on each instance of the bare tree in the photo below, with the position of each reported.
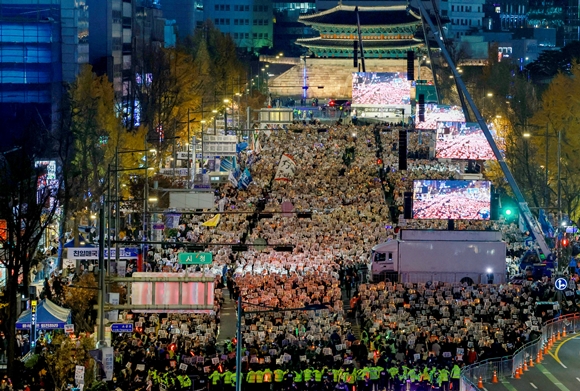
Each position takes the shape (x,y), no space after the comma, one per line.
(28,204)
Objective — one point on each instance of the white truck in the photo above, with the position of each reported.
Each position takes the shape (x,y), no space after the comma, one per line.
(436,255)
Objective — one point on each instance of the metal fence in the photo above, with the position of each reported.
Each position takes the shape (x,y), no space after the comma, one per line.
(448,277)
(505,367)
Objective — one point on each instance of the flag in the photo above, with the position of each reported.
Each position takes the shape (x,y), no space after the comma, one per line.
(232,178)
(240,147)
(547,227)
(522,224)
(252,158)
(245,180)
(214,221)
(257,146)
(228,163)
(286,168)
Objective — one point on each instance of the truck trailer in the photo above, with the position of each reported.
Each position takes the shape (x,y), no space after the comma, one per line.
(436,255)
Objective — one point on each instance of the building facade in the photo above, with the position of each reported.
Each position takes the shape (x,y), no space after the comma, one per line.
(187,14)
(387,32)
(287,28)
(43,43)
(249,22)
(110,23)
(466,17)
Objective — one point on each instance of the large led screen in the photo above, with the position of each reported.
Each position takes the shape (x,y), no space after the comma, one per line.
(462,140)
(451,199)
(381,88)
(437,113)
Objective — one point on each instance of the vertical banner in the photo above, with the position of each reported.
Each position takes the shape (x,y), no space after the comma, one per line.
(121,268)
(33,305)
(108,362)
(79,374)
(140,261)
(113,315)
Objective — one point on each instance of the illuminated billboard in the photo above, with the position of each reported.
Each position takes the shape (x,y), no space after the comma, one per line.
(462,140)
(452,199)
(436,113)
(47,181)
(199,295)
(381,89)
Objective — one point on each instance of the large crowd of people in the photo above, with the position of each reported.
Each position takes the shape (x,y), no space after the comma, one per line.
(462,141)
(381,89)
(372,336)
(435,114)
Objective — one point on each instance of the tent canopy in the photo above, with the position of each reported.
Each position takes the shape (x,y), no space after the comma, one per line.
(49,316)
(82,239)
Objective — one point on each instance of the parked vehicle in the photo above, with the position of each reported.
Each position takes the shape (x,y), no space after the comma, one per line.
(446,256)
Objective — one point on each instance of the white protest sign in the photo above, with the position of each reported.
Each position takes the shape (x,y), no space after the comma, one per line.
(79,374)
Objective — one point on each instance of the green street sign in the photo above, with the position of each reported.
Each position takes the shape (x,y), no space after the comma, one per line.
(195,258)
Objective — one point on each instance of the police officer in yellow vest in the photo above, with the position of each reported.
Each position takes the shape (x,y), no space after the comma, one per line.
(278,379)
(216,377)
(234,378)
(251,377)
(455,375)
(227,380)
(259,380)
(299,379)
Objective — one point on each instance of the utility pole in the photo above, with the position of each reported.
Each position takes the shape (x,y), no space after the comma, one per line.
(101,298)
(546,194)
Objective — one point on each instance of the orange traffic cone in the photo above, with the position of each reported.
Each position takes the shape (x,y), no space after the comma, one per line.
(531,362)
(494,378)
(545,348)
(564,332)
(480,383)
(539,357)
(558,336)
(525,365)
(517,374)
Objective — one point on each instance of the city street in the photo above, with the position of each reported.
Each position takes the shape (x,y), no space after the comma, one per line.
(554,373)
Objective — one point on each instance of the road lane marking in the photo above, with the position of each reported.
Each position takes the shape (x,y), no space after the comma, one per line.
(551,377)
(578,378)
(555,354)
(558,360)
(508,385)
(533,385)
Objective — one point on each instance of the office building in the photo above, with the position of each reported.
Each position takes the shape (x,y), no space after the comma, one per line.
(43,43)
(248,22)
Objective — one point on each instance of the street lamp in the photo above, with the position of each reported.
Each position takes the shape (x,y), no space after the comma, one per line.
(226,101)
(488,95)
(527,134)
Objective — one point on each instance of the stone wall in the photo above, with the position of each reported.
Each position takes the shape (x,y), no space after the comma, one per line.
(331,78)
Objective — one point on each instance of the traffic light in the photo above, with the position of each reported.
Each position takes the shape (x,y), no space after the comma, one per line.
(509,210)
(565,242)
(379,161)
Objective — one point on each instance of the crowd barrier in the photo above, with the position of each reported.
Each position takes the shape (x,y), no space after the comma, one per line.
(506,367)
